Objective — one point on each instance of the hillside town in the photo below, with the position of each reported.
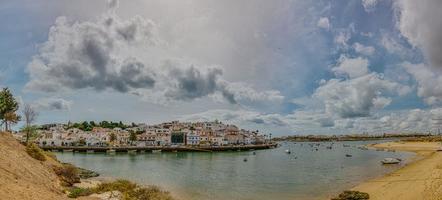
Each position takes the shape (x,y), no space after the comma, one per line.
(173,133)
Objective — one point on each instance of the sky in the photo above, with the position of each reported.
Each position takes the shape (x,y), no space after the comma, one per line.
(283,67)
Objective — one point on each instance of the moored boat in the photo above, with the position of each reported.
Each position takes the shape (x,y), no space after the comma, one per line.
(387,161)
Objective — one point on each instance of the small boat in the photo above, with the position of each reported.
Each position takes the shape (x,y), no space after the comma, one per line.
(288,151)
(245,160)
(348,155)
(387,161)
(329,147)
(346,145)
(254,153)
(111,151)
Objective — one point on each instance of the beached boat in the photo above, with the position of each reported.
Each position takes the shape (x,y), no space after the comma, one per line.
(386,161)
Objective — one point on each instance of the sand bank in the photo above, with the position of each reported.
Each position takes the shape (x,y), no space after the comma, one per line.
(420,179)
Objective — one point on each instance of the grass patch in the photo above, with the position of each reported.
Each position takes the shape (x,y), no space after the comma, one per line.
(352,195)
(51,155)
(68,174)
(35,152)
(79,192)
(129,191)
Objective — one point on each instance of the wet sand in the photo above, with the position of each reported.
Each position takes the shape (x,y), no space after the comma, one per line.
(420,179)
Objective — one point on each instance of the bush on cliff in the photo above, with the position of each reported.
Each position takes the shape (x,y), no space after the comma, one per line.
(68,174)
(35,152)
(129,191)
(352,195)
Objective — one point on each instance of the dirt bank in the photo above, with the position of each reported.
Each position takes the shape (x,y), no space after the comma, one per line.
(23,177)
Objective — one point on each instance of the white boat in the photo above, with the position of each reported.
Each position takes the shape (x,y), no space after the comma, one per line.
(111,151)
(386,161)
(288,151)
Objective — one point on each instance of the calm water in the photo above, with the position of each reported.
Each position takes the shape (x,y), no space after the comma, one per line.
(270,174)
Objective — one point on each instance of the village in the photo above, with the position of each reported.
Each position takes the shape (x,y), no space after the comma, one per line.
(169,134)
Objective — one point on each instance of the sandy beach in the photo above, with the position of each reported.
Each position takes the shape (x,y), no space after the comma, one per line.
(420,179)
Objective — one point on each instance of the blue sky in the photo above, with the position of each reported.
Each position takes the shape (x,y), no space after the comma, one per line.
(286,67)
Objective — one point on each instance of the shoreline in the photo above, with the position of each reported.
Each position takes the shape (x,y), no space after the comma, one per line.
(161,148)
(418,179)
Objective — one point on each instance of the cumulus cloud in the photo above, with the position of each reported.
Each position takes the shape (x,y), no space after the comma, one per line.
(358,96)
(429,82)
(53,103)
(419,22)
(83,55)
(369,5)
(365,50)
(324,23)
(111,53)
(238,116)
(351,67)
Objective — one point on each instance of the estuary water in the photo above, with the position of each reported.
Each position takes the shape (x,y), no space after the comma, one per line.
(306,173)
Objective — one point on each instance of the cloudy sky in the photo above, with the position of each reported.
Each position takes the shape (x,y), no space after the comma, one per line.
(283,66)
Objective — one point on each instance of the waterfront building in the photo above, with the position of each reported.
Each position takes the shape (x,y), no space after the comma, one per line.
(178,138)
(192,138)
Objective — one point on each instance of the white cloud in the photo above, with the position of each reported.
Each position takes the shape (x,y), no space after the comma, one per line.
(127,56)
(342,37)
(324,23)
(351,67)
(53,103)
(365,50)
(238,116)
(429,82)
(369,5)
(355,97)
(419,23)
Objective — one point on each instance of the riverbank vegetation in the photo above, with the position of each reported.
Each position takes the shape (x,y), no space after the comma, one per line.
(125,189)
(35,152)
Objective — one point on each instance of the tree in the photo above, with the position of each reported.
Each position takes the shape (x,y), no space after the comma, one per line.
(30,115)
(8,107)
(112,137)
(132,137)
(10,118)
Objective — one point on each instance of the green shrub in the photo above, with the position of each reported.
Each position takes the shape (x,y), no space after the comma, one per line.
(118,185)
(352,195)
(35,152)
(78,192)
(68,174)
(132,191)
(50,154)
(150,193)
